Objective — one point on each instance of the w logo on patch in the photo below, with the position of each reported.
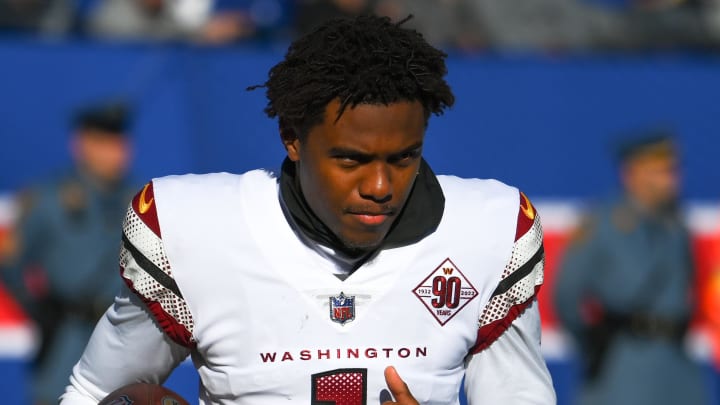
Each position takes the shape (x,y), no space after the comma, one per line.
(342,308)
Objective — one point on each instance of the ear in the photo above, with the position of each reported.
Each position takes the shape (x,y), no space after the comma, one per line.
(291,142)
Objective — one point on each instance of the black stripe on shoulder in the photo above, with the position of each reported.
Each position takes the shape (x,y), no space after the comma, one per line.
(150,267)
(509,281)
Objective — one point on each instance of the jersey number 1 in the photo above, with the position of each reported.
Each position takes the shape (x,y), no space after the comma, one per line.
(344,386)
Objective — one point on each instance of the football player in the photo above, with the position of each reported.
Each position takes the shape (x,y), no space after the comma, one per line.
(354,276)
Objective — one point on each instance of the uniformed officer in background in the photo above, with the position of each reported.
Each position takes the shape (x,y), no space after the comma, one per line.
(63,271)
(624,290)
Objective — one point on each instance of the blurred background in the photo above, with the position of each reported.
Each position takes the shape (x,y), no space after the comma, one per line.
(561,98)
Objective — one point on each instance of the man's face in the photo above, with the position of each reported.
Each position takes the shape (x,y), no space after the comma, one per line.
(105,156)
(652,180)
(356,173)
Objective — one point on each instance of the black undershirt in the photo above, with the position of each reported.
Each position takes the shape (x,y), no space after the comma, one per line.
(420,217)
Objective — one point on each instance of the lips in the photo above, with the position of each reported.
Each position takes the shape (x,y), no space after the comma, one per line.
(371,218)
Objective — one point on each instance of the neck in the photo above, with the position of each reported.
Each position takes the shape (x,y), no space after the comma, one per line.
(97,182)
(651,206)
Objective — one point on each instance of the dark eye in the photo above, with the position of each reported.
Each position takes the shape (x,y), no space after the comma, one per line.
(406,158)
(349,160)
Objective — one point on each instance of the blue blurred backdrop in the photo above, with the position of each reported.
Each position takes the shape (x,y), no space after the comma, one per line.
(546,123)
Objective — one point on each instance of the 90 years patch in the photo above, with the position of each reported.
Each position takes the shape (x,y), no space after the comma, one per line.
(445,291)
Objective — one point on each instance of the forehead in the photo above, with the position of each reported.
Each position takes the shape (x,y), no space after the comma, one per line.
(369,123)
(651,163)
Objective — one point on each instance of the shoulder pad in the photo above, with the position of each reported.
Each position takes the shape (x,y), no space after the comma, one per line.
(521,280)
(146,269)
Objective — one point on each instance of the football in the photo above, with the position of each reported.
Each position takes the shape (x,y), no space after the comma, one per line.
(143,394)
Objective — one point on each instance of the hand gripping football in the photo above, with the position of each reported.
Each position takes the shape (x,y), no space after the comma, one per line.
(143,394)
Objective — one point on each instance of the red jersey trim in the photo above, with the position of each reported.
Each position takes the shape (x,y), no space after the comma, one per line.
(144,206)
(489,333)
(527,215)
(169,325)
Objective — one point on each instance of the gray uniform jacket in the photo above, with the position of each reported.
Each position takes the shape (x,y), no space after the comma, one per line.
(637,269)
(68,234)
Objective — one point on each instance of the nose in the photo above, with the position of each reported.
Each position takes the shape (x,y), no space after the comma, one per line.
(376,184)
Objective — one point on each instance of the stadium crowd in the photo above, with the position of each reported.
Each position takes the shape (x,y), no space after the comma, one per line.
(468,25)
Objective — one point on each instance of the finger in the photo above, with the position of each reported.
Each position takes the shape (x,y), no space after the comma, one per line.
(398,388)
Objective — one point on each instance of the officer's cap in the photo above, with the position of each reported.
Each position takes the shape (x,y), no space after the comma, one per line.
(654,143)
(107,117)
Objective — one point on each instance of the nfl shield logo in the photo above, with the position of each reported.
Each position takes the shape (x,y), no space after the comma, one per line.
(342,308)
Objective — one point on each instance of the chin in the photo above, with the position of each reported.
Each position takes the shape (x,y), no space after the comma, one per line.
(361,246)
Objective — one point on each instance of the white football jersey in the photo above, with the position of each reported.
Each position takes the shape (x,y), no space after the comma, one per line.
(266,321)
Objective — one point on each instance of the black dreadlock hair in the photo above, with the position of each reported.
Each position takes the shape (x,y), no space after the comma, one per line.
(367,59)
